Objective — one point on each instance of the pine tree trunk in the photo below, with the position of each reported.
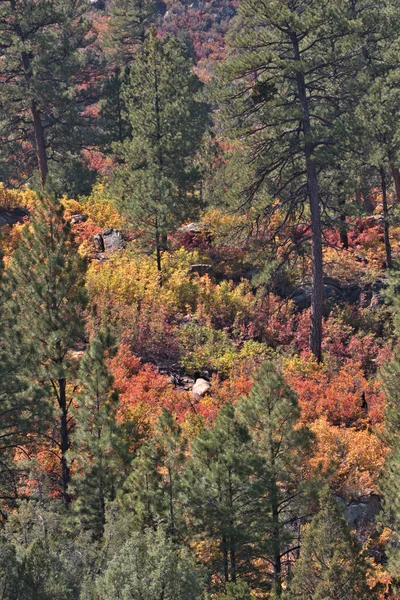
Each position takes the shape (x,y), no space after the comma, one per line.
(225,558)
(64,438)
(276,541)
(344,239)
(396,181)
(313,194)
(388,248)
(41,152)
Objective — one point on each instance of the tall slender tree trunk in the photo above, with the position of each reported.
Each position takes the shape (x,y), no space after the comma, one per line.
(344,238)
(64,438)
(276,541)
(40,140)
(396,181)
(315,211)
(225,558)
(388,248)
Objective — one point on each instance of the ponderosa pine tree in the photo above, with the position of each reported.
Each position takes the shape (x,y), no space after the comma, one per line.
(149,565)
(151,494)
(19,401)
(331,565)
(287,66)
(271,413)
(375,92)
(97,442)
(390,477)
(44,56)
(223,489)
(155,180)
(44,286)
(129,25)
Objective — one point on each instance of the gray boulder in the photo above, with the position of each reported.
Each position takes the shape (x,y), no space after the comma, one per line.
(200,388)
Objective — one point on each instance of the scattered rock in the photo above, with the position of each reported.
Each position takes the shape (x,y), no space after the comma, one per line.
(78,219)
(113,240)
(109,241)
(98,242)
(194,228)
(360,514)
(201,269)
(12,216)
(200,388)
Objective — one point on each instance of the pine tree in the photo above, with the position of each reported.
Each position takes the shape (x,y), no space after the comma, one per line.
(97,446)
(271,413)
(149,565)
(287,69)
(223,492)
(44,54)
(151,493)
(19,400)
(45,302)
(155,179)
(130,21)
(331,565)
(390,477)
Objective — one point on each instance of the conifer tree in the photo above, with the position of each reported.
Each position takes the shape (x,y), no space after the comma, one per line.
(287,67)
(149,565)
(45,302)
(130,21)
(155,179)
(271,413)
(44,53)
(96,440)
(151,493)
(223,491)
(331,565)
(390,477)
(19,400)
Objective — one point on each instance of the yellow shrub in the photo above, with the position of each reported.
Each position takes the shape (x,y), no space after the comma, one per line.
(99,207)
(12,198)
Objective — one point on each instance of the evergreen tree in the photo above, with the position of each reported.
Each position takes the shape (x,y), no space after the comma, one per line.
(45,301)
(331,565)
(390,477)
(44,55)
(130,21)
(154,181)
(19,400)
(150,566)
(271,413)
(288,65)
(223,493)
(96,440)
(151,493)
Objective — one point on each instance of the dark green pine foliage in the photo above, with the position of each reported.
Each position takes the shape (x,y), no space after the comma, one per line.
(378,83)
(128,30)
(151,494)
(390,478)
(331,564)
(271,413)
(285,73)
(44,57)
(155,179)
(129,25)
(97,454)
(45,302)
(19,403)
(223,492)
(113,120)
(149,565)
